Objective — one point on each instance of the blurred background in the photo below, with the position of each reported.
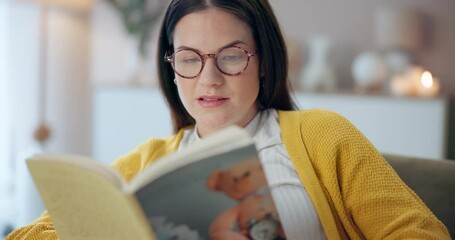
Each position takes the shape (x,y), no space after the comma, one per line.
(79,77)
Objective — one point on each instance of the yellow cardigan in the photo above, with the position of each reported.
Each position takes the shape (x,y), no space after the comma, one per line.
(356,193)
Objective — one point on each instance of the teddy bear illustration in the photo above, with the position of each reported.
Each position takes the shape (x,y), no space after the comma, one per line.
(255,216)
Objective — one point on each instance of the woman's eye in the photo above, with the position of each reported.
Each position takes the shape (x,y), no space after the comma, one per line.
(190,60)
(231,58)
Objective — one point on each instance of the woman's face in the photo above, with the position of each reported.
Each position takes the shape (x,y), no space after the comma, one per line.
(213,99)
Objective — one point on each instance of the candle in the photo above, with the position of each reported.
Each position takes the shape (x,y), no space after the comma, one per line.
(402,86)
(428,86)
(405,84)
(416,81)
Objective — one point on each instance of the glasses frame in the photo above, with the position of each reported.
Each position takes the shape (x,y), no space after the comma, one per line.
(204,57)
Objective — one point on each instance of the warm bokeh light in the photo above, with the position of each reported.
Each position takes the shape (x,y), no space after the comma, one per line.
(426,79)
(77,5)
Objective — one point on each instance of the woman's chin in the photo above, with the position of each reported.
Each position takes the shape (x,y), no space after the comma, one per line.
(212,124)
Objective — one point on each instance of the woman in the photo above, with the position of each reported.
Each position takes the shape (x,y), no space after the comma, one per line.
(225,63)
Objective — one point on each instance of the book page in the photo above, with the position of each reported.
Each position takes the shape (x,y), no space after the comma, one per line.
(85,205)
(106,171)
(222,141)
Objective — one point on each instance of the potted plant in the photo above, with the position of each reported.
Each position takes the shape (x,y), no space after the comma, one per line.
(139,17)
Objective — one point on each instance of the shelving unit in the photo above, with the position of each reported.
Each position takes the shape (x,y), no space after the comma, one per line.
(398,125)
(126,116)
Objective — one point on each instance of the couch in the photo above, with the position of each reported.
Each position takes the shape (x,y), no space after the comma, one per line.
(433,181)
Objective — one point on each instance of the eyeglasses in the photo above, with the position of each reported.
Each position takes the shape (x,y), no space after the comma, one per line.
(188,63)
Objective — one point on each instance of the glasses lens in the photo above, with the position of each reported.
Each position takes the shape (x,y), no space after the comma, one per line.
(232,60)
(187,63)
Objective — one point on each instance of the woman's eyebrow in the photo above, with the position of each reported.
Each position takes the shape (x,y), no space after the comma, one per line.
(233,43)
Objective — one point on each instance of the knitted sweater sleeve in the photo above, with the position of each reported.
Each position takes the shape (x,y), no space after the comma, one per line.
(369,198)
(41,228)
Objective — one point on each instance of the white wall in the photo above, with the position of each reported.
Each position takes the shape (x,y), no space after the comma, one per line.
(6,168)
(23,69)
(4,93)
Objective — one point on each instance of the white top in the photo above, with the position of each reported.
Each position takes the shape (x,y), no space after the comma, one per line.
(297,213)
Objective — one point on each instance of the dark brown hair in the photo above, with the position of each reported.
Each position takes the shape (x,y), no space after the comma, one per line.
(259,16)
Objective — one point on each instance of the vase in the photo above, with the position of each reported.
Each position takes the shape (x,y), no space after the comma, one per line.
(318,74)
(294,52)
(369,70)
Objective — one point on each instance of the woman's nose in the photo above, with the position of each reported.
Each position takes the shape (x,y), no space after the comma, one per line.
(210,75)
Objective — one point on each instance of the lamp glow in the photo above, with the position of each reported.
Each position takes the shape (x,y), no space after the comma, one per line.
(426,79)
(428,85)
(415,82)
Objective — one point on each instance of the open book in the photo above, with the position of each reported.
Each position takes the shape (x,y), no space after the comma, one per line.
(214,189)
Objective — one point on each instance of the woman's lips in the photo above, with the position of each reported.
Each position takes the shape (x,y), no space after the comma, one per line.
(211,101)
